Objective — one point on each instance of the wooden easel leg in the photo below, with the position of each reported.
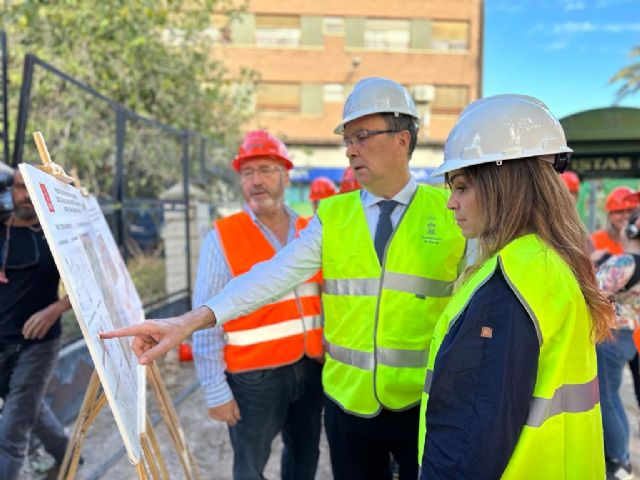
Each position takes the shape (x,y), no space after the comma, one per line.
(141,471)
(152,457)
(93,402)
(152,463)
(172,422)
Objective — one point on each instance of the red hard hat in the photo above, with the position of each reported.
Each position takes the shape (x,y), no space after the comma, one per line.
(571,180)
(261,143)
(185,352)
(621,198)
(321,187)
(349,181)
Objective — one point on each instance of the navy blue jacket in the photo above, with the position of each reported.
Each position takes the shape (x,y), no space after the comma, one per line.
(482,387)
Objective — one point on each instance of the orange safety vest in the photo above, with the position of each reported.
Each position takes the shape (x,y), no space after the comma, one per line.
(278,333)
(602,241)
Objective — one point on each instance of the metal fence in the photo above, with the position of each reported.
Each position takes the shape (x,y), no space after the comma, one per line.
(157,185)
(145,174)
(4,81)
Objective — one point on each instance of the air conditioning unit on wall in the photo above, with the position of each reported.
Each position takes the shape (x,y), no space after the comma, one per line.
(423,93)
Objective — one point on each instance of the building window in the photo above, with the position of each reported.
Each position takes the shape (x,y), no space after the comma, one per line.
(385,34)
(333,25)
(422,93)
(219,31)
(278,97)
(277,30)
(449,99)
(449,35)
(333,93)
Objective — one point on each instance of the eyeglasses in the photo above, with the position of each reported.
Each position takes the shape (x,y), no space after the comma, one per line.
(359,137)
(262,171)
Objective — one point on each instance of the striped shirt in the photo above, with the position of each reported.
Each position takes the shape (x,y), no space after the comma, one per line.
(212,275)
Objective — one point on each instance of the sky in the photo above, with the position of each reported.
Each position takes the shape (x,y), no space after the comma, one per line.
(562,51)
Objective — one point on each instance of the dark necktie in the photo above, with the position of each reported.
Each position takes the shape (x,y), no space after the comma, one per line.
(384,228)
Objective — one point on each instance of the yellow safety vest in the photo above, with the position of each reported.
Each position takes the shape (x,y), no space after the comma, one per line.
(562,437)
(379,320)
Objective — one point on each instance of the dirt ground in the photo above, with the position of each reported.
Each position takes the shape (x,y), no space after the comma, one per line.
(209,441)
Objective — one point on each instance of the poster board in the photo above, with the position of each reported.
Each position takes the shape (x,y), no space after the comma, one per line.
(101,293)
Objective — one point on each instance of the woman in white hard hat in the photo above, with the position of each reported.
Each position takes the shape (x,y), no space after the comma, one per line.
(511,388)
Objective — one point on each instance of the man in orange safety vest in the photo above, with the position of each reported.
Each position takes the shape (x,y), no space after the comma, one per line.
(260,371)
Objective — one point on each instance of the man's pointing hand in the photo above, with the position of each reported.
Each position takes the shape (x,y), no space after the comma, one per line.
(154,338)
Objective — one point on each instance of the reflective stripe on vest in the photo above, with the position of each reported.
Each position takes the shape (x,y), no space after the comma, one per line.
(419,286)
(378,318)
(566,399)
(564,411)
(273,332)
(280,332)
(570,398)
(385,356)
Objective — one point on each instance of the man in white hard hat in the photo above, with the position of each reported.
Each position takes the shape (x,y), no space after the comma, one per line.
(390,254)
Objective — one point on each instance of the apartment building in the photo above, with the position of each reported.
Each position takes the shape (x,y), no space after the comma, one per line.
(311,53)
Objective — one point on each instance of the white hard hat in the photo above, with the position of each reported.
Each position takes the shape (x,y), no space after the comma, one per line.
(377,95)
(503,127)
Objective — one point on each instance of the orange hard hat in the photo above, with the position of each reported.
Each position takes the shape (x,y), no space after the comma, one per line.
(634,197)
(621,198)
(571,180)
(261,143)
(349,181)
(321,187)
(185,352)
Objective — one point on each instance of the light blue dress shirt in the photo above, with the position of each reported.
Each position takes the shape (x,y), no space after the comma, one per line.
(212,275)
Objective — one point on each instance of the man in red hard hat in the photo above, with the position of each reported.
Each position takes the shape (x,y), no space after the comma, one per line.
(259,370)
(321,187)
(619,205)
(349,182)
(572,182)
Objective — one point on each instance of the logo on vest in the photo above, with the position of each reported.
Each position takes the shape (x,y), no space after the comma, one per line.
(486,332)
(430,232)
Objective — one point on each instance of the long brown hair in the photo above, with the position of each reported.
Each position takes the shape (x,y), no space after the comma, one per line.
(527,196)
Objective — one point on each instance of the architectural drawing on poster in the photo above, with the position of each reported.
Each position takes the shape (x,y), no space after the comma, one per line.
(101,292)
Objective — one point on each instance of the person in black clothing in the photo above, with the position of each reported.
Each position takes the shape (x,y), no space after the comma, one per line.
(30,334)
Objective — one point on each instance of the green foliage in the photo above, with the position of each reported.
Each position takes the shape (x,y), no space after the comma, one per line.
(629,76)
(153,57)
(148,275)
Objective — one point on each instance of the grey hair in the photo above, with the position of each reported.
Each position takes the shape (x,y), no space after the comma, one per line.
(403,122)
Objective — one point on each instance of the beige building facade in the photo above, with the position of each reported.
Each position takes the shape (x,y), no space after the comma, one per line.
(310,53)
